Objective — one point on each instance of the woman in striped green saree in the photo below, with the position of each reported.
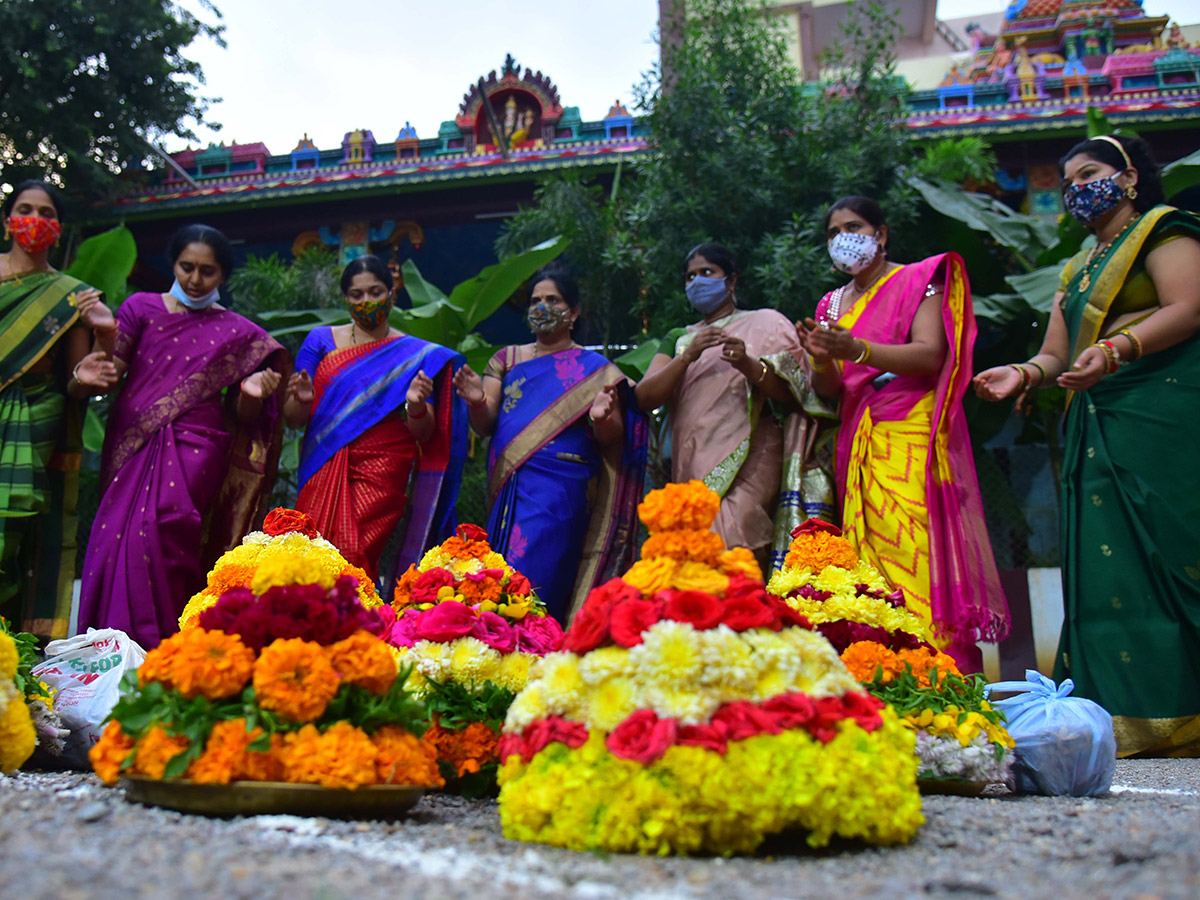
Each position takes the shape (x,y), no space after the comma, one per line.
(46,372)
(1123,340)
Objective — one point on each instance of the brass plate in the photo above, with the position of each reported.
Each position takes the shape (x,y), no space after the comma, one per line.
(950,786)
(256,798)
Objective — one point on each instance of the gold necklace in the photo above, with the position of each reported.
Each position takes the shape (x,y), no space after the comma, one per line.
(1098,253)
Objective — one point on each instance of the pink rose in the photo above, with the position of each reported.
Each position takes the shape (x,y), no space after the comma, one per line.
(643,737)
(485,574)
(446,621)
(494,631)
(539,634)
(427,585)
(403,632)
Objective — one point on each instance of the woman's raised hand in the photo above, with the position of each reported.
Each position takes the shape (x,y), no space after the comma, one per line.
(300,387)
(708,336)
(469,386)
(834,342)
(96,371)
(92,311)
(420,389)
(997,383)
(262,384)
(1089,368)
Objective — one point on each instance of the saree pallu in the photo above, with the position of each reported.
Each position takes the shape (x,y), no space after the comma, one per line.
(563,510)
(40,452)
(171,438)
(1131,522)
(906,473)
(726,434)
(358,455)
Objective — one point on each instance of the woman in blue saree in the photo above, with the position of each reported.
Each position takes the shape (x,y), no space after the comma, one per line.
(379,404)
(567,456)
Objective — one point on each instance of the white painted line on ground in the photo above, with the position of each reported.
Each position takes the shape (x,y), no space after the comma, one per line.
(1170,792)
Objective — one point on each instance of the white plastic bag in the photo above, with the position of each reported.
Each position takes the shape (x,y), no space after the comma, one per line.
(1065,744)
(86,672)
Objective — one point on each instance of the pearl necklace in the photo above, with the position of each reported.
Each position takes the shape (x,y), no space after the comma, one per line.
(833,311)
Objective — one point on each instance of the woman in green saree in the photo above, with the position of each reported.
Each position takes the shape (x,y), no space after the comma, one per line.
(1122,340)
(46,372)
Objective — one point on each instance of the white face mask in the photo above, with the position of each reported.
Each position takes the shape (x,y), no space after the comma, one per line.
(851,253)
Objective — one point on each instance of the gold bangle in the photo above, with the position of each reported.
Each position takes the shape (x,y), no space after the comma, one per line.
(1135,343)
(866,353)
(1037,366)
(763,376)
(812,364)
(1024,373)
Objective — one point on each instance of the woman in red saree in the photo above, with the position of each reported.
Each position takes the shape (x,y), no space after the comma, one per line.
(895,344)
(190,448)
(378,404)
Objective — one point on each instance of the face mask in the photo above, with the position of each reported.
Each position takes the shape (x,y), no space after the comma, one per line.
(706,294)
(851,253)
(544,319)
(33,234)
(370,314)
(1088,202)
(191,302)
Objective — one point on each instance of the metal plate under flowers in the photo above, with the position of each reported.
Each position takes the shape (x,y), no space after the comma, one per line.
(254,798)
(953,786)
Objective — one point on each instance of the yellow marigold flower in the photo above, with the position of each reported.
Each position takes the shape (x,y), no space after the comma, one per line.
(513,671)
(109,752)
(277,569)
(693,576)
(816,550)
(740,559)
(472,661)
(294,678)
(342,757)
(557,674)
(604,663)
(651,575)
(432,659)
(17,735)
(365,660)
(9,657)
(529,706)
(155,749)
(690,505)
(200,663)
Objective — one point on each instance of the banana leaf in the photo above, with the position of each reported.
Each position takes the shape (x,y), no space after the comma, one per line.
(93,430)
(1038,287)
(635,362)
(1181,175)
(281,322)
(104,261)
(482,295)
(419,290)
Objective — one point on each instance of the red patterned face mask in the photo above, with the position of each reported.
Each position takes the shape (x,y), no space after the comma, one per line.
(34,234)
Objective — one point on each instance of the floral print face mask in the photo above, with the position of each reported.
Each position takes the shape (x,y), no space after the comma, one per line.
(851,253)
(1088,202)
(33,234)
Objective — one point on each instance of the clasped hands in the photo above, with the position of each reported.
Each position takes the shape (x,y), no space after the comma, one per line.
(733,350)
(824,344)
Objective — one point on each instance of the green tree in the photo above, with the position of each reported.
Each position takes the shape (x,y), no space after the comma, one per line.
(83,81)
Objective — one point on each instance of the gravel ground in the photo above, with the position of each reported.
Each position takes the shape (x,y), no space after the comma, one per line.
(63,835)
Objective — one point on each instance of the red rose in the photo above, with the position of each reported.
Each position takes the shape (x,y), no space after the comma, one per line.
(744,613)
(518,585)
(787,616)
(510,745)
(471,533)
(791,710)
(864,709)
(427,585)
(711,737)
(588,630)
(630,618)
(830,711)
(573,734)
(702,610)
(282,520)
(743,719)
(812,526)
(536,736)
(446,621)
(612,591)
(643,737)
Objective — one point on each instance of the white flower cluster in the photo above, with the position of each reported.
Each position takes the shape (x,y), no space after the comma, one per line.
(942,756)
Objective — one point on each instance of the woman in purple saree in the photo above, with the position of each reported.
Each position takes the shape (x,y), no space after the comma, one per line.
(186,463)
(568,453)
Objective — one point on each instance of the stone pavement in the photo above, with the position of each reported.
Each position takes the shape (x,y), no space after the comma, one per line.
(65,836)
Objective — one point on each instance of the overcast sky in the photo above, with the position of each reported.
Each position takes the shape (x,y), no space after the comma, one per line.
(326,67)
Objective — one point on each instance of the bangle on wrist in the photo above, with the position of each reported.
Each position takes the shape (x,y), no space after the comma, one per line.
(1042,379)
(1024,373)
(412,415)
(478,404)
(1110,353)
(762,376)
(865,354)
(1135,344)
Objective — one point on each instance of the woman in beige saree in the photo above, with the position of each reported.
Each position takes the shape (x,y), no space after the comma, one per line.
(743,414)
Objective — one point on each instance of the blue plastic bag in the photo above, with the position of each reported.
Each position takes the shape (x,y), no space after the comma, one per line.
(1065,744)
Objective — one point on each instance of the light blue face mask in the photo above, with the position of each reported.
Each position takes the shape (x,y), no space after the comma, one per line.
(706,294)
(190,302)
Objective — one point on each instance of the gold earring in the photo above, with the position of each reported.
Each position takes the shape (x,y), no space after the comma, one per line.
(1131,192)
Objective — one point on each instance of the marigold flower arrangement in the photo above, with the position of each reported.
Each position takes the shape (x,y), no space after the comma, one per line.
(28,720)
(959,737)
(287,551)
(471,626)
(293,685)
(690,711)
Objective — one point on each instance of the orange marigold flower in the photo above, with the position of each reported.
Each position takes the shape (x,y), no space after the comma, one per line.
(863,659)
(740,559)
(403,594)
(923,661)
(200,663)
(405,759)
(680,506)
(467,750)
(457,548)
(696,546)
(295,679)
(365,660)
(817,549)
(155,750)
(262,765)
(342,757)
(109,752)
(367,593)
(221,760)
